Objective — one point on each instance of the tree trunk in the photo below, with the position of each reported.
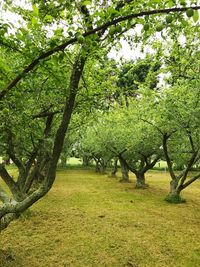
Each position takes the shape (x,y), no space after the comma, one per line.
(63,161)
(140,180)
(114,169)
(97,166)
(86,161)
(124,170)
(102,168)
(103,165)
(173,187)
(12,210)
(174,194)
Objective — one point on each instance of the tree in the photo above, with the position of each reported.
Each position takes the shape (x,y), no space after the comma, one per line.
(133,74)
(175,111)
(181,145)
(40,39)
(175,116)
(120,134)
(23,194)
(91,146)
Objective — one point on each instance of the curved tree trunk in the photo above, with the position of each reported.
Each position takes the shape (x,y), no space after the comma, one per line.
(173,187)
(12,208)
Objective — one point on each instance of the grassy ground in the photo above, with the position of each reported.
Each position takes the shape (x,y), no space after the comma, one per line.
(90,220)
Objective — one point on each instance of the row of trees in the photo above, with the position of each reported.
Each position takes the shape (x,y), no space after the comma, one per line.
(155,122)
(148,121)
(156,126)
(45,59)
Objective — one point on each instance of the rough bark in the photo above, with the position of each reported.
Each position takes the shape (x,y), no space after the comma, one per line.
(124,170)
(140,180)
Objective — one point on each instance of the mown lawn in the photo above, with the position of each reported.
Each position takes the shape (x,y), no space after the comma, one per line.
(90,220)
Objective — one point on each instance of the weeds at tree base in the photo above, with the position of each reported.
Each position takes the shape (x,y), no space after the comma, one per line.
(174,199)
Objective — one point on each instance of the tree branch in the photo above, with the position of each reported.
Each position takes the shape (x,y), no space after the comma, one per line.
(151,123)
(12,154)
(190,181)
(151,164)
(104,26)
(186,171)
(8,179)
(168,160)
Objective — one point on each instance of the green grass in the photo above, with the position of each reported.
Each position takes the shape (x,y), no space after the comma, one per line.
(90,220)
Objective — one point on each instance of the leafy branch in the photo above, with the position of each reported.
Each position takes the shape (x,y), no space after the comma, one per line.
(71,41)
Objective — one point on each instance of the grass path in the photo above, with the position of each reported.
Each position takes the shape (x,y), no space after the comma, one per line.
(89,220)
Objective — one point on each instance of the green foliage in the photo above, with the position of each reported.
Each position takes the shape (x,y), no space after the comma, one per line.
(5,111)
(80,39)
(135,74)
(169,18)
(146,27)
(189,12)
(120,132)
(159,27)
(118,28)
(196,16)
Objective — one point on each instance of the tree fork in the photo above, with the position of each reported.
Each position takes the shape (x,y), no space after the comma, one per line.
(12,210)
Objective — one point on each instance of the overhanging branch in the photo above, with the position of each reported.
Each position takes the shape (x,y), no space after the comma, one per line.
(104,26)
